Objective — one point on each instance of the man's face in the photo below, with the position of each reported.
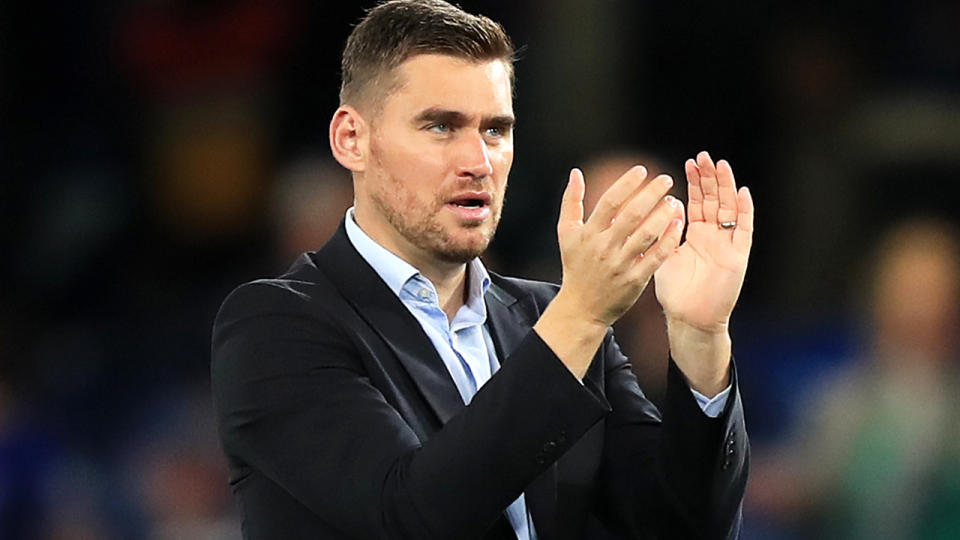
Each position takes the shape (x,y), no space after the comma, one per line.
(440,152)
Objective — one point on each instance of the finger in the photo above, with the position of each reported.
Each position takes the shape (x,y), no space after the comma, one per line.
(726,192)
(743,234)
(646,235)
(708,184)
(571,205)
(694,193)
(661,250)
(638,209)
(616,195)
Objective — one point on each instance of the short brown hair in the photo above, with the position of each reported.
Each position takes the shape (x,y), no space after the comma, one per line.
(396,30)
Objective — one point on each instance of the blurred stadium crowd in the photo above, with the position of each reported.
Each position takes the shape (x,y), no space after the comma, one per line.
(156,153)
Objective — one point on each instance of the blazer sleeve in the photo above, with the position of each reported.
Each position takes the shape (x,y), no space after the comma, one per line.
(682,477)
(293,404)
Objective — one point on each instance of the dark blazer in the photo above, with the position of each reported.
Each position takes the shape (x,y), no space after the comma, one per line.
(340,420)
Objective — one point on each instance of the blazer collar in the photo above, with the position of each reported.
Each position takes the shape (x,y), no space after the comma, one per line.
(511,312)
(510,320)
(373,300)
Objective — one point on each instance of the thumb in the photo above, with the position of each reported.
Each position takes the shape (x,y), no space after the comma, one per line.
(571,206)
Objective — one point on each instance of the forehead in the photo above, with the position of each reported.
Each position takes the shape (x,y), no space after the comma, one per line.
(451,83)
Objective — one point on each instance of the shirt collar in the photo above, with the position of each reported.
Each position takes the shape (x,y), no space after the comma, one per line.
(396,272)
(478,283)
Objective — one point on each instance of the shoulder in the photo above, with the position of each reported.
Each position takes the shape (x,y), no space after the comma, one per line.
(297,317)
(302,289)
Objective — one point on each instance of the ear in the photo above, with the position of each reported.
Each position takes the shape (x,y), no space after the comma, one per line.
(349,138)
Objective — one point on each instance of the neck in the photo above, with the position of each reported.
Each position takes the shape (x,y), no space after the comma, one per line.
(448,278)
(451,290)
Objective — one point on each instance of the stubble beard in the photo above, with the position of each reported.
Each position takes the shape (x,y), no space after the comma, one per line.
(423,230)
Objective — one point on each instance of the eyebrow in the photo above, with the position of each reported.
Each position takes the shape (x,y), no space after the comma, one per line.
(456,118)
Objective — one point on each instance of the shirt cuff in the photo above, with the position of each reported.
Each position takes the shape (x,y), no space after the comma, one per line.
(712,407)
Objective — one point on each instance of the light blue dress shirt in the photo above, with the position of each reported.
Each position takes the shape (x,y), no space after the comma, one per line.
(464,344)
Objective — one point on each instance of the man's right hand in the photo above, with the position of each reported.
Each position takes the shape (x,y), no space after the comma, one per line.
(607,260)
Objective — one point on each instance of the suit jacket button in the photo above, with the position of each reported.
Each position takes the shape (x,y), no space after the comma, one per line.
(549,447)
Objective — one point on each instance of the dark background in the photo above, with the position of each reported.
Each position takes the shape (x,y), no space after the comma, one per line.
(143,143)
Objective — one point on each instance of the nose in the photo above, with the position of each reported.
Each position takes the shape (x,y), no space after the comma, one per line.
(473,157)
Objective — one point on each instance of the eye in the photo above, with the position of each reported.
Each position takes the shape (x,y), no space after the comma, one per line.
(439,127)
(498,131)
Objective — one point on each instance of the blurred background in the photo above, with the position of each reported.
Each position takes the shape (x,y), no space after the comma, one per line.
(156,153)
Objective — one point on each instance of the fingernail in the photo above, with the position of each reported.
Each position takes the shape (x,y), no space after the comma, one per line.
(667,181)
(672,201)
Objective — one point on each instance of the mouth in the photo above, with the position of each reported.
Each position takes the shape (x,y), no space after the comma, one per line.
(471,200)
(471,207)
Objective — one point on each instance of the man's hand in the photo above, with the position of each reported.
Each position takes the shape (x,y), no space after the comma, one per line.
(700,283)
(608,260)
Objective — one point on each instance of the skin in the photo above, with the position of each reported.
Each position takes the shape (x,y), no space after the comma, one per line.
(446,130)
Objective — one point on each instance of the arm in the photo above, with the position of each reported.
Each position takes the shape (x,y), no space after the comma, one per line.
(698,285)
(633,234)
(688,475)
(607,260)
(683,477)
(296,404)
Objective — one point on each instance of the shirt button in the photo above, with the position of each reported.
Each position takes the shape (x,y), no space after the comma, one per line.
(423,294)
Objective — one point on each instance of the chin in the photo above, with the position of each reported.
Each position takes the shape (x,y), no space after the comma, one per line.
(458,257)
(463,253)
(465,250)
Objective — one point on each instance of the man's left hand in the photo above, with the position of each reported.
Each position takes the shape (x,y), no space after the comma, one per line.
(699,284)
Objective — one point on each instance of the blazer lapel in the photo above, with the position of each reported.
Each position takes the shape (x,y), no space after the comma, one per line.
(510,319)
(363,288)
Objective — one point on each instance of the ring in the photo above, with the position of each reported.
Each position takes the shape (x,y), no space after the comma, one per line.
(728,224)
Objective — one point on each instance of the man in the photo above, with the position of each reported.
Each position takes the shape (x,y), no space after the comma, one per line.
(388,386)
